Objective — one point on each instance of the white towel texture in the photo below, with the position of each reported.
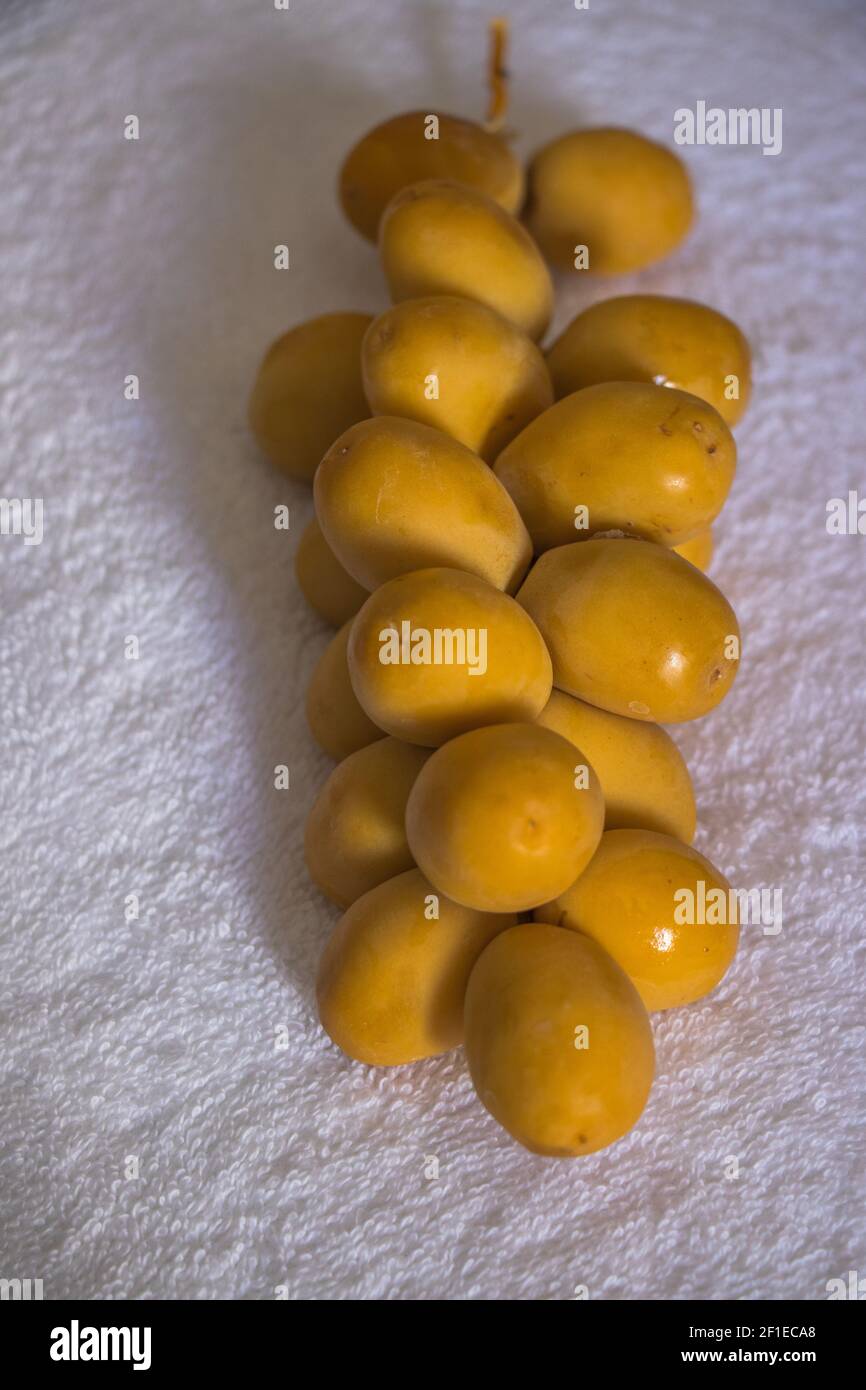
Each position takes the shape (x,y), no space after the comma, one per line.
(175,1124)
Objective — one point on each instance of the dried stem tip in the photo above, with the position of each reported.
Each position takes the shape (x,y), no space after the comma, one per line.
(497,75)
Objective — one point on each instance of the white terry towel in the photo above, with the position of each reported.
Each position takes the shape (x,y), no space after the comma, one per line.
(174,1122)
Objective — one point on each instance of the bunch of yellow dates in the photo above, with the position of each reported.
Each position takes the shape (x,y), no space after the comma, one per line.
(512,547)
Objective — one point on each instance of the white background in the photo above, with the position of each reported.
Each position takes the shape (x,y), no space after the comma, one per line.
(154,1038)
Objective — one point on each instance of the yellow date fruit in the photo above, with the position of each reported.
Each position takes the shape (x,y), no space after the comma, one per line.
(458,366)
(420,145)
(394,496)
(627,199)
(559,1045)
(643,774)
(660,909)
(500,812)
(308,390)
(621,456)
(439,651)
(325,584)
(633,628)
(438,238)
(355,837)
(337,722)
(698,551)
(393,974)
(652,337)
